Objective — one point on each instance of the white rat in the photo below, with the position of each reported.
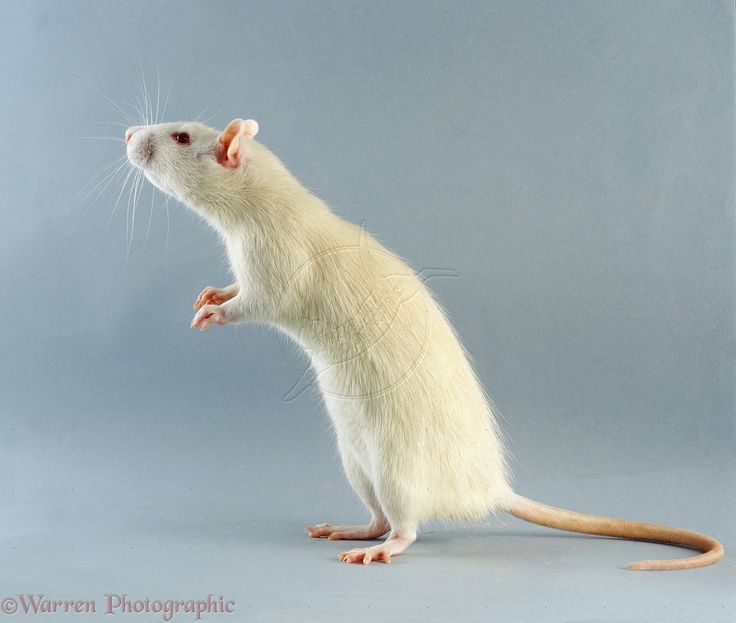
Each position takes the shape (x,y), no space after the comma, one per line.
(416,433)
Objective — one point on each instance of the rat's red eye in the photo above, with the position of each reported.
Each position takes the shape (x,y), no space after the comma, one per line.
(181,137)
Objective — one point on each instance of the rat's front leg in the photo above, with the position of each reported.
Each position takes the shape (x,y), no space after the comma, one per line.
(231,311)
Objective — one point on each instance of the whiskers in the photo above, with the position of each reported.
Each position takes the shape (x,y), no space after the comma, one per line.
(119,177)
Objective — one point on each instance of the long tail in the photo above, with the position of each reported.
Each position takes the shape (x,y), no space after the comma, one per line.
(561,519)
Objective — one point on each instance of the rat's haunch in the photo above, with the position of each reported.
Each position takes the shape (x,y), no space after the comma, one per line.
(417,435)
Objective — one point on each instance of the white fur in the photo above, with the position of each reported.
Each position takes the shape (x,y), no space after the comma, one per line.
(417,436)
(416,433)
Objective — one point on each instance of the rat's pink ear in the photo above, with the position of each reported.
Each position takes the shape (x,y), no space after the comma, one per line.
(229,149)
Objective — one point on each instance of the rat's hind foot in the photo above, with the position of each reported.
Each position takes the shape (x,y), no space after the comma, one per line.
(396,543)
(373,530)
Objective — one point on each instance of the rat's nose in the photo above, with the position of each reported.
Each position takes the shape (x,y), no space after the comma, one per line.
(129,133)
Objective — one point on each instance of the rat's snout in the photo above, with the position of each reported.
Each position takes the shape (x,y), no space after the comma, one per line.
(129,133)
(139,145)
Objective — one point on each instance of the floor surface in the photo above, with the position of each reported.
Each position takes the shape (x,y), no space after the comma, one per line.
(261,561)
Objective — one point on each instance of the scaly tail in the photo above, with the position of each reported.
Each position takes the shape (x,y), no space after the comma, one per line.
(561,519)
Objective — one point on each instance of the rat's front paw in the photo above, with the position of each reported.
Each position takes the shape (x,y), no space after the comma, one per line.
(214,296)
(207,315)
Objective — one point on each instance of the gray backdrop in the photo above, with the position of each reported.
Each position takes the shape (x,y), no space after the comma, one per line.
(572,161)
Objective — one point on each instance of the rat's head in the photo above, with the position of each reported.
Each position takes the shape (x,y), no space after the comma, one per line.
(183,159)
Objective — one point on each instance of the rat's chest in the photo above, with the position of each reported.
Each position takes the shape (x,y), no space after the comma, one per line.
(256,272)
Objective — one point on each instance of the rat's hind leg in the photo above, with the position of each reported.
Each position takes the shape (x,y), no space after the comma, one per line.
(361,484)
(400,508)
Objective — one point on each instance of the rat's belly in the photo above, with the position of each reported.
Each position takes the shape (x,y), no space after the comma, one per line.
(429,440)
